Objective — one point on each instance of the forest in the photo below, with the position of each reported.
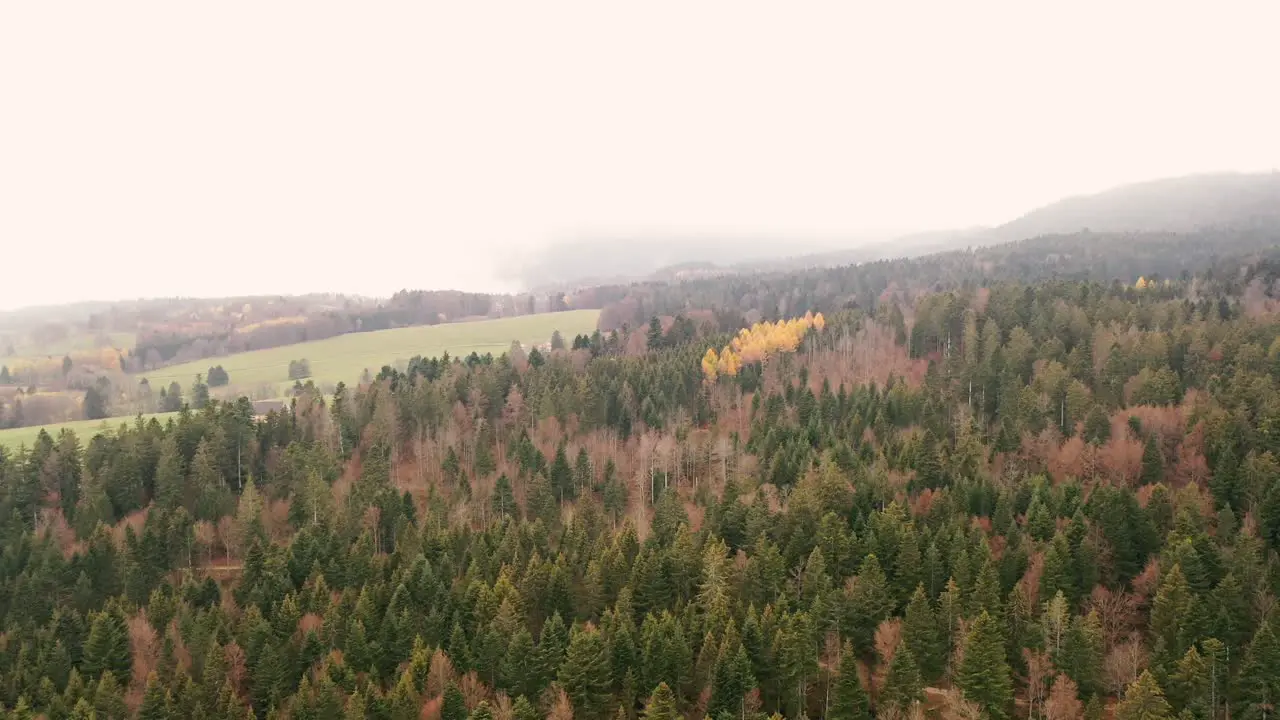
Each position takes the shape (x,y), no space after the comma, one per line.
(1039,480)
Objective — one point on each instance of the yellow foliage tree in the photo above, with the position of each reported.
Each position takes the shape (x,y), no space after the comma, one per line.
(729,363)
(710,363)
(757,342)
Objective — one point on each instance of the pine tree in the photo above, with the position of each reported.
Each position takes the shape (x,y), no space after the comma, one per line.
(504,499)
(733,679)
(551,648)
(402,701)
(1081,654)
(920,632)
(1152,462)
(584,675)
(661,705)
(454,706)
(107,648)
(867,603)
(1097,428)
(849,700)
(482,711)
(986,593)
(1170,612)
(1189,684)
(984,674)
(902,686)
(356,708)
(169,474)
(522,709)
(1259,681)
(1143,700)
(155,701)
(108,698)
(561,475)
(519,667)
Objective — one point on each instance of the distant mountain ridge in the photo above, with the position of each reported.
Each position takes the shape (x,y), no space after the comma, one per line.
(1181,204)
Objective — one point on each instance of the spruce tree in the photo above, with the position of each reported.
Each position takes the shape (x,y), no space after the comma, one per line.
(1152,461)
(155,701)
(584,675)
(522,709)
(1189,684)
(356,708)
(902,686)
(1170,613)
(1259,681)
(1143,700)
(482,712)
(867,603)
(454,705)
(661,705)
(733,679)
(551,648)
(107,648)
(849,700)
(520,666)
(920,632)
(984,675)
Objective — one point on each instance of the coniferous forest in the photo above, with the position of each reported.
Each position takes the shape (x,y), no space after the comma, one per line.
(1040,480)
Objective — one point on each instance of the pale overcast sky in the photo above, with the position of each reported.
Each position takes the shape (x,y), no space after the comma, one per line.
(162,148)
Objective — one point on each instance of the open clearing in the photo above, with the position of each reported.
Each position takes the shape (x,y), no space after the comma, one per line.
(341,359)
(345,357)
(86,429)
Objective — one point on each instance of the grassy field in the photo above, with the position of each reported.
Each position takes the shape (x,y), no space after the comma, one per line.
(345,357)
(84,428)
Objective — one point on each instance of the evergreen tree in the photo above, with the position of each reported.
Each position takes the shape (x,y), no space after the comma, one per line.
(732,681)
(482,711)
(902,686)
(661,705)
(107,647)
(585,673)
(454,705)
(155,701)
(984,674)
(920,632)
(1143,701)
(1152,461)
(1189,684)
(522,709)
(1259,681)
(849,700)
(1171,612)
(867,603)
(561,475)
(551,648)
(520,666)
(504,499)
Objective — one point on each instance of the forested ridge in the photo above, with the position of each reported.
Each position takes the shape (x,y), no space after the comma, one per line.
(1038,480)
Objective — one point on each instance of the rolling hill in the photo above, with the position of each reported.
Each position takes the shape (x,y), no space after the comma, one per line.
(343,358)
(1183,204)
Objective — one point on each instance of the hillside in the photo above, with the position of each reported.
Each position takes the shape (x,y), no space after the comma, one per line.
(999,477)
(1182,204)
(345,357)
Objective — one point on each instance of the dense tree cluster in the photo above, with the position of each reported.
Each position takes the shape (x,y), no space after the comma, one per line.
(1003,499)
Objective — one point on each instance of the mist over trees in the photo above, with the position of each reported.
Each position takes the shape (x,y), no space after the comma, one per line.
(1037,480)
(995,494)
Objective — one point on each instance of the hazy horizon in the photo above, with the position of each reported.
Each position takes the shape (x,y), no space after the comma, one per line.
(156,149)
